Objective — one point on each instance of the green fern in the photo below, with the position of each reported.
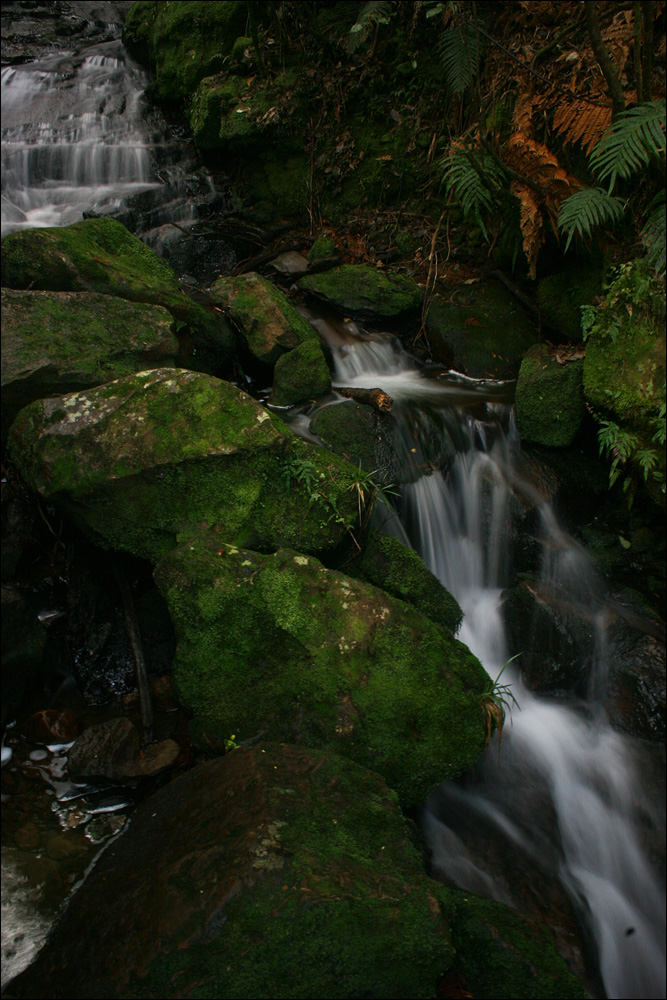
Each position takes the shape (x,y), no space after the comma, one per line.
(634,139)
(654,237)
(585,209)
(476,191)
(371,13)
(459,49)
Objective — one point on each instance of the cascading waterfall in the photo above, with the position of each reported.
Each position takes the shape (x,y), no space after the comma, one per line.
(564,790)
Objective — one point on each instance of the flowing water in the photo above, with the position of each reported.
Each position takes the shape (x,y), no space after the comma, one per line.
(565,792)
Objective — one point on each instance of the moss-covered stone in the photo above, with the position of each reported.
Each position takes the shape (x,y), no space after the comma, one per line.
(561,295)
(360,435)
(264,316)
(271,872)
(500,953)
(323,247)
(101,255)
(301,375)
(58,342)
(388,564)
(280,645)
(364,292)
(139,459)
(480,329)
(549,397)
(182,44)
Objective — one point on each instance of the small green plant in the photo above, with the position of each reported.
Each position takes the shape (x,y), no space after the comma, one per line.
(231,743)
(496,700)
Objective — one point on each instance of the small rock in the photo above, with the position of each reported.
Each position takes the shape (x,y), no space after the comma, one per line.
(61,848)
(106,749)
(153,759)
(50,726)
(289,263)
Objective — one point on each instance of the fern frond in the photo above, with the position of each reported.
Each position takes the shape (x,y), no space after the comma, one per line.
(530,220)
(585,209)
(459,48)
(579,121)
(372,13)
(474,194)
(653,236)
(635,137)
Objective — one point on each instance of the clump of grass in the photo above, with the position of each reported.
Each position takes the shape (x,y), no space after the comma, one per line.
(497,700)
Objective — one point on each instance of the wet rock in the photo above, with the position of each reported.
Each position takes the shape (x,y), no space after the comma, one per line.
(480,329)
(549,396)
(23,642)
(50,726)
(635,695)
(153,759)
(278,645)
(140,459)
(360,435)
(364,293)
(301,375)
(164,695)
(62,848)
(561,295)
(100,255)
(290,263)
(108,749)
(27,837)
(58,342)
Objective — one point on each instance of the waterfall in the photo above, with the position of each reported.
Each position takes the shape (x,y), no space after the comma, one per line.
(563,791)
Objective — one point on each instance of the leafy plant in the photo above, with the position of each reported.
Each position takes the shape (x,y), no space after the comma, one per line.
(653,235)
(588,208)
(231,744)
(459,48)
(473,179)
(496,700)
(370,16)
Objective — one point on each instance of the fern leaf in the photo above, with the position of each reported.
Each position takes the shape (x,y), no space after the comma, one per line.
(531,224)
(459,48)
(653,236)
(585,209)
(465,184)
(372,13)
(579,121)
(635,137)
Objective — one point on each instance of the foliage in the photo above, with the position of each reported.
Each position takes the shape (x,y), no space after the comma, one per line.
(459,48)
(653,235)
(588,208)
(370,16)
(472,178)
(496,700)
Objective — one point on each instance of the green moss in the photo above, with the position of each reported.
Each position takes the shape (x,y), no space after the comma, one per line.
(323,247)
(300,375)
(278,644)
(388,564)
(560,296)
(362,291)
(183,44)
(549,398)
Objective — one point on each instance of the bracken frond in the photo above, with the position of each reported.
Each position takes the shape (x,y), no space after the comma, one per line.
(459,48)
(585,209)
(582,122)
(634,139)
(531,223)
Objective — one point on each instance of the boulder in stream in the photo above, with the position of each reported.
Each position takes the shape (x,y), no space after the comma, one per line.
(549,395)
(364,293)
(277,645)
(139,459)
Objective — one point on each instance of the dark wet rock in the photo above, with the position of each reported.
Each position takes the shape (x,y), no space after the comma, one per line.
(50,726)
(153,759)
(389,565)
(58,342)
(561,295)
(549,396)
(100,255)
(164,696)
(197,257)
(635,695)
(27,837)
(138,460)
(362,436)
(480,330)
(278,645)
(363,292)
(108,749)
(23,642)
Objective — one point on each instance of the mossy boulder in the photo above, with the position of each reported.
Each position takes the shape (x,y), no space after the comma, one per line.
(58,342)
(561,295)
(549,396)
(364,292)
(479,329)
(182,44)
(388,564)
(271,872)
(300,375)
(138,459)
(361,435)
(323,247)
(101,255)
(279,645)
(263,315)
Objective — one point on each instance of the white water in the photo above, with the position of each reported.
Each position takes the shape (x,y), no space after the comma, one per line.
(566,789)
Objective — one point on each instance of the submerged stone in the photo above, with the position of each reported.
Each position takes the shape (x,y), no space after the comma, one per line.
(364,292)
(138,460)
(549,396)
(280,646)
(101,255)
(58,342)
(273,871)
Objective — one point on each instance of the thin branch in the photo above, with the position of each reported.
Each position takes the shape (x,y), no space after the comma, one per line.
(606,65)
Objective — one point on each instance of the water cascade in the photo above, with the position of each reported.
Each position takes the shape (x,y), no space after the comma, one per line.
(564,792)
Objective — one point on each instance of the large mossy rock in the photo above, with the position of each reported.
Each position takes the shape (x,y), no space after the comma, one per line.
(271,872)
(388,564)
(101,255)
(480,330)
(182,43)
(278,645)
(301,375)
(137,460)
(363,292)
(561,295)
(362,436)
(58,342)
(549,396)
